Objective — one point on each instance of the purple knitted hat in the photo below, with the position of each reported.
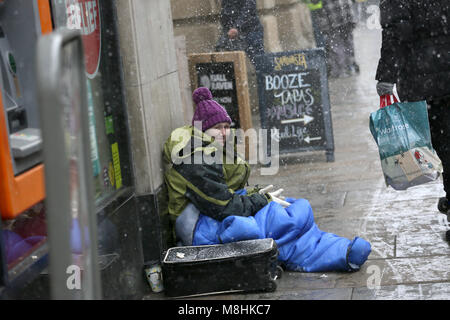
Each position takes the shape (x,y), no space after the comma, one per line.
(208,111)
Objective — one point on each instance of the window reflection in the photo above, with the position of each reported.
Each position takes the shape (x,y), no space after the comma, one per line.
(24,234)
(107,121)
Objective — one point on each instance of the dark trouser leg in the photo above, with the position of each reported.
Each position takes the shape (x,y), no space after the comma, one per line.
(331,57)
(349,44)
(318,34)
(439,118)
(335,53)
(346,32)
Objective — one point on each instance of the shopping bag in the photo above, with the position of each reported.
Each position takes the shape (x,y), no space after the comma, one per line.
(402,133)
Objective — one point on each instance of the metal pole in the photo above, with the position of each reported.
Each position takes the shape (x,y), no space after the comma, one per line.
(71,219)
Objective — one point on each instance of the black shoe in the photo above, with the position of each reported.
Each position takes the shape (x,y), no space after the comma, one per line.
(346,74)
(353,69)
(443,205)
(333,74)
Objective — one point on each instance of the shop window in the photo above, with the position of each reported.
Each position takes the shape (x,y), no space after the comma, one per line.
(96,20)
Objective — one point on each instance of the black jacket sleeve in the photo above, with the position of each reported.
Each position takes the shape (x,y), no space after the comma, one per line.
(247,16)
(395,19)
(239,14)
(208,191)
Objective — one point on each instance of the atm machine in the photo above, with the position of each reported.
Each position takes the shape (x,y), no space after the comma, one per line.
(24,136)
(21,169)
(22,187)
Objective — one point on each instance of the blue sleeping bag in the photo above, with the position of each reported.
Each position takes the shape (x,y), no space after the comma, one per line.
(302,245)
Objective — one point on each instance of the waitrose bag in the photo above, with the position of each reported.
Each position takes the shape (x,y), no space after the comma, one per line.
(402,133)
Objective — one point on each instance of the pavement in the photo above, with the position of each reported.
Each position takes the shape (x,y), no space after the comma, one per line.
(410,259)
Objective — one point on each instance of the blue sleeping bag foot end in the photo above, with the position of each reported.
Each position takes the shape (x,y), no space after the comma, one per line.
(358,253)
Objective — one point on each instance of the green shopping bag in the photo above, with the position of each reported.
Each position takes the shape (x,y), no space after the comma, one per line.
(402,133)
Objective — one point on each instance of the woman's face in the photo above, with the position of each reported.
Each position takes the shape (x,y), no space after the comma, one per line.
(219,132)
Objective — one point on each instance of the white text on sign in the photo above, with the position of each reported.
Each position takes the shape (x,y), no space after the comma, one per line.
(82,16)
(286,81)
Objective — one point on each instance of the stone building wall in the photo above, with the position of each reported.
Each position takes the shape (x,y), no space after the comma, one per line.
(152,85)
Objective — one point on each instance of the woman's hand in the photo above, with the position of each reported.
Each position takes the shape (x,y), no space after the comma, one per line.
(385,88)
(233,33)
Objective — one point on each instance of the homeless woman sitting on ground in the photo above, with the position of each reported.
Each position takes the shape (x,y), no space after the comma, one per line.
(209,205)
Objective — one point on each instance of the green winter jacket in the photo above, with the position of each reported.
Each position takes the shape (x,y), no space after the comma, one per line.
(209,185)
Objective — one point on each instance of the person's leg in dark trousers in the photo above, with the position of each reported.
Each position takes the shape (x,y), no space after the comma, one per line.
(347,33)
(336,55)
(439,118)
(318,34)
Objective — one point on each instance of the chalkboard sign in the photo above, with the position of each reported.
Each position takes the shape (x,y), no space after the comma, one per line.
(225,75)
(293,98)
(220,80)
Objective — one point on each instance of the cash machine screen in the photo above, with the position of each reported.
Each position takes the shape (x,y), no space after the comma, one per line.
(21,161)
(25,141)
(22,188)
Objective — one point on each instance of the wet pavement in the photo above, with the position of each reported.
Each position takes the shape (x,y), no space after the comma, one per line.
(410,258)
